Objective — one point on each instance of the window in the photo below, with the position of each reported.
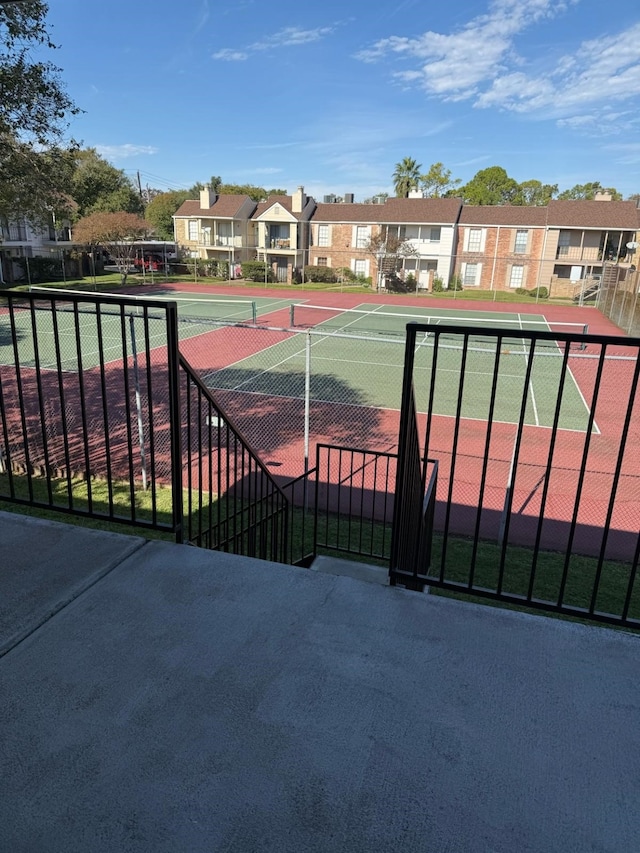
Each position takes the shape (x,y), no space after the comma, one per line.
(323,235)
(517,276)
(362,236)
(360,268)
(520,244)
(470,274)
(321,262)
(564,241)
(434,235)
(193,229)
(474,240)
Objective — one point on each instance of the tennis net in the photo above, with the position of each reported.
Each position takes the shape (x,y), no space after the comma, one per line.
(367,321)
(190,308)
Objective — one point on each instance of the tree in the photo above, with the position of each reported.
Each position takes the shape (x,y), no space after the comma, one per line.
(97,186)
(587,192)
(113,232)
(159,212)
(33,115)
(390,251)
(406,176)
(490,186)
(437,182)
(534,193)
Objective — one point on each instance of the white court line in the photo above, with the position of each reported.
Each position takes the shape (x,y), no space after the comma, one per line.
(526,359)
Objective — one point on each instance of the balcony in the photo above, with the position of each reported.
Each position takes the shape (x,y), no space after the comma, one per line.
(278,244)
(13,233)
(219,242)
(287,708)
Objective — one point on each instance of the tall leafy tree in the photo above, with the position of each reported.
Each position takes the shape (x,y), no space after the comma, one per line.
(490,186)
(113,232)
(96,185)
(437,182)
(159,212)
(587,192)
(534,193)
(406,176)
(33,115)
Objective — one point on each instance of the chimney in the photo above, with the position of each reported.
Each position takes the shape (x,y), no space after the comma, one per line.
(207,198)
(602,195)
(415,194)
(348,197)
(298,200)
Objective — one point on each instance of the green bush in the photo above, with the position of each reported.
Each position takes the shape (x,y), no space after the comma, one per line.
(325,275)
(438,284)
(347,274)
(521,291)
(256,271)
(455,282)
(539,292)
(410,281)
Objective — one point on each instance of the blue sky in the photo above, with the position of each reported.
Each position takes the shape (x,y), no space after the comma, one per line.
(331,95)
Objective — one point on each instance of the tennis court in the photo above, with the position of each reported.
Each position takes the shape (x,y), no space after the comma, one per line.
(90,339)
(362,349)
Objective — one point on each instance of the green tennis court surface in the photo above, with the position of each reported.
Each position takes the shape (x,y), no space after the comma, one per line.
(197,316)
(357,359)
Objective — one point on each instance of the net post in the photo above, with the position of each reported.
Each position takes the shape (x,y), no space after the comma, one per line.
(585,331)
(254,312)
(292,319)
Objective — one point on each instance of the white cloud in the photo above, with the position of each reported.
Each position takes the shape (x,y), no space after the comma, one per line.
(287,37)
(122,152)
(291,36)
(229,55)
(479,62)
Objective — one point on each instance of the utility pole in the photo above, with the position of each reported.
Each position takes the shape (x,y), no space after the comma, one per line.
(140,186)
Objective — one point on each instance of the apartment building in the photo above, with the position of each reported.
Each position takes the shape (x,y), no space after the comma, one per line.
(582,235)
(560,246)
(500,248)
(343,235)
(20,238)
(216,227)
(281,232)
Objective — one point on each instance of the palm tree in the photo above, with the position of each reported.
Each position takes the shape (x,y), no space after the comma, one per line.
(406,176)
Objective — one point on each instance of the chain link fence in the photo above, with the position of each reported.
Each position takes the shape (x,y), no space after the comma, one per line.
(619,297)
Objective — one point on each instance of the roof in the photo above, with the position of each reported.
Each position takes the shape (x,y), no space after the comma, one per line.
(283,200)
(402,210)
(508,214)
(224,207)
(593,214)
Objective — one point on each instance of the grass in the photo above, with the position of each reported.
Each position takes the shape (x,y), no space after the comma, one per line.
(79,495)
(549,569)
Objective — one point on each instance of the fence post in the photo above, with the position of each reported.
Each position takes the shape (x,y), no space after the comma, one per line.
(173,364)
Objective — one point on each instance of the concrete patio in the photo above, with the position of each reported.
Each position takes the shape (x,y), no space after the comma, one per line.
(161,698)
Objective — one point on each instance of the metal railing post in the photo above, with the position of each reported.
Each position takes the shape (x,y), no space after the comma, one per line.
(173,362)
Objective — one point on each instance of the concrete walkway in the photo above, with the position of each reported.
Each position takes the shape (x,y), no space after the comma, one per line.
(160,698)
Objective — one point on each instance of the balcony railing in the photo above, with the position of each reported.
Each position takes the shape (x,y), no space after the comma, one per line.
(517,455)
(13,233)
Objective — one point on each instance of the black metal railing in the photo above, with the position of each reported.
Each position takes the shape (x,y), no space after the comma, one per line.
(415,492)
(88,421)
(353,502)
(537,441)
(232,501)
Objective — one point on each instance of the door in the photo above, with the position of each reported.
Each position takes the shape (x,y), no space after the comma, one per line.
(281,270)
